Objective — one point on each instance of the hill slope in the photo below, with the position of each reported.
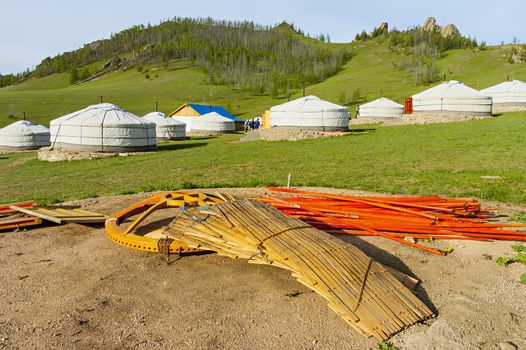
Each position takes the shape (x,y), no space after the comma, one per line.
(376,68)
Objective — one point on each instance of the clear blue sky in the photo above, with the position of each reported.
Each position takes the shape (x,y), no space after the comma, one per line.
(33,29)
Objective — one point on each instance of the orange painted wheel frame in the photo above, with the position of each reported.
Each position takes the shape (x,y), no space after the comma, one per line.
(150,242)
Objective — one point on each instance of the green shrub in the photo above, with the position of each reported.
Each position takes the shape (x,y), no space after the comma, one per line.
(504,261)
(386,346)
(73,75)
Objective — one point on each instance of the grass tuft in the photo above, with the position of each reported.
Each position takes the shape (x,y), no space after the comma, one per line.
(502,261)
(386,346)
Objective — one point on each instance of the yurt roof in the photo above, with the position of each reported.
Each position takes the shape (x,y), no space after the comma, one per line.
(23,127)
(451,89)
(204,109)
(162,119)
(307,104)
(106,114)
(382,102)
(214,116)
(513,86)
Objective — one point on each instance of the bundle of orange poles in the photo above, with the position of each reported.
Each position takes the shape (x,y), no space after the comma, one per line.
(394,218)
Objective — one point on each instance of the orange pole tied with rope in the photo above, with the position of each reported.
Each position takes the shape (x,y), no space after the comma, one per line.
(394,217)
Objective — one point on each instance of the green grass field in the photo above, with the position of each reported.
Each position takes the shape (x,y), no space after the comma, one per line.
(447,159)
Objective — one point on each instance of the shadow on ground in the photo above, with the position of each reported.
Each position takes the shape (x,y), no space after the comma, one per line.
(210,137)
(390,260)
(362,131)
(176,146)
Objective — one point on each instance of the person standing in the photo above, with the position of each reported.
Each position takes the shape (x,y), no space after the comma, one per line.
(245,125)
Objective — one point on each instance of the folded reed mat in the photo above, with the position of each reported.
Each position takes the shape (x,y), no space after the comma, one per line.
(356,287)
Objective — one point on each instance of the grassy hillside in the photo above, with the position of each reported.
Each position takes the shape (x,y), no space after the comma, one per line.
(47,98)
(372,71)
(448,159)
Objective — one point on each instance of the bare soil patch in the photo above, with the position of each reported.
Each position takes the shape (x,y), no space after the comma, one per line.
(7,150)
(410,119)
(290,135)
(58,154)
(69,287)
(508,108)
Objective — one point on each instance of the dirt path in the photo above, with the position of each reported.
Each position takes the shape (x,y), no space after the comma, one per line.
(69,287)
(15,163)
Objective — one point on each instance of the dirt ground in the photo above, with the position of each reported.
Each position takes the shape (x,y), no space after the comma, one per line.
(409,119)
(277,134)
(7,150)
(69,287)
(58,154)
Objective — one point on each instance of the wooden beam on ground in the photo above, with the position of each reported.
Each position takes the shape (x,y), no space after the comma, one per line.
(15,222)
(62,215)
(5,208)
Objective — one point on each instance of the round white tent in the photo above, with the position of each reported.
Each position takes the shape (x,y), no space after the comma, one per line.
(310,112)
(103,128)
(452,98)
(382,108)
(507,96)
(209,123)
(167,128)
(24,135)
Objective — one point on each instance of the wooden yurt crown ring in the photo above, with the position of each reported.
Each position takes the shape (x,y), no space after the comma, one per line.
(155,241)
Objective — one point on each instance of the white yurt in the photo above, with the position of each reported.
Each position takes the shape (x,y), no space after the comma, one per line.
(382,108)
(103,128)
(452,98)
(24,135)
(310,112)
(209,123)
(167,128)
(507,96)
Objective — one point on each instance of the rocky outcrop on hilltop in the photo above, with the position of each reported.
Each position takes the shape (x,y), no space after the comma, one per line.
(383,28)
(449,30)
(430,25)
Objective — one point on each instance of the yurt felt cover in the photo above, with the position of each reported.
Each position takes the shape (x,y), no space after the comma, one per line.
(507,92)
(24,135)
(166,127)
(209,122)
(103,128)
(381,108)
(452,96)
(310,112)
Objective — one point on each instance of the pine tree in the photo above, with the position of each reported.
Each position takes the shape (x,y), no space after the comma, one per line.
(84,73)
(73,74)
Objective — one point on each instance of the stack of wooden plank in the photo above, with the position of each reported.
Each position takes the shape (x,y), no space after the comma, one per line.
(357,288)
(63,214)
(24,214)
(11,219)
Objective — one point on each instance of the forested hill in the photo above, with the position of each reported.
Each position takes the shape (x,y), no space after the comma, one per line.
(246,56)
(251,56)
